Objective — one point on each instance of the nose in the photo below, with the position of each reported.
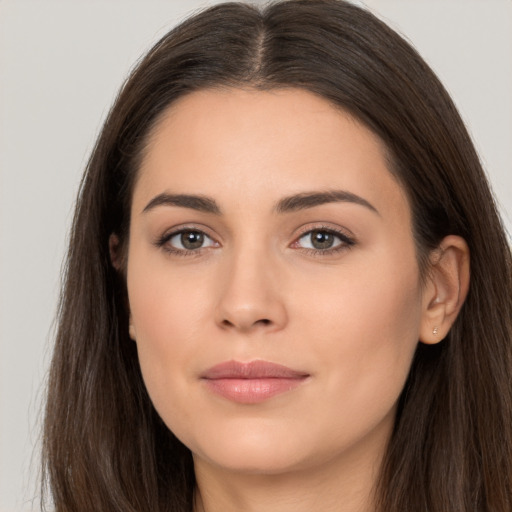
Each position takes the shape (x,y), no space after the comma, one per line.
(251,297)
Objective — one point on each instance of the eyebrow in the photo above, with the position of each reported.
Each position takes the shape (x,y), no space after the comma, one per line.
(312,199)
(288,204)
(199,203)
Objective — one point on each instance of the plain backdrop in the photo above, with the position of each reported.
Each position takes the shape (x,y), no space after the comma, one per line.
(61,63)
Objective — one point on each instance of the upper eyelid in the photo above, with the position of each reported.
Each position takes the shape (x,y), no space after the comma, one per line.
(344,239)
(172,234)
(343,232)
(169,233)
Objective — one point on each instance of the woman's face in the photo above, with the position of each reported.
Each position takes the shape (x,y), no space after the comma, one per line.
(273,284)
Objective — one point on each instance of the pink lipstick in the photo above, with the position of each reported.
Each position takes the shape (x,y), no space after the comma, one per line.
(253,382)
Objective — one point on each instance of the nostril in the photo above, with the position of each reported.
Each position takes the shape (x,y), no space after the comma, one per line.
(229,324)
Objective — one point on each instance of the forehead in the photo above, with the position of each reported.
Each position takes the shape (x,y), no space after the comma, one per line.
(244,144)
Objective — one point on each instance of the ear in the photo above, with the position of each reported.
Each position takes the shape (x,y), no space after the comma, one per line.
(446,288)
(131,329)
(116,259)
(114,248)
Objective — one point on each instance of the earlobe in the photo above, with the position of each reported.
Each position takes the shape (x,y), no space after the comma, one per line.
(131,331)
(446,288)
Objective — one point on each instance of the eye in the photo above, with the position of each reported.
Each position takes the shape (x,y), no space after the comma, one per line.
(185,241)
(323,240)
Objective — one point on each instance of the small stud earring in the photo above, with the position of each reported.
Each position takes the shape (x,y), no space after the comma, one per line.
(435,331)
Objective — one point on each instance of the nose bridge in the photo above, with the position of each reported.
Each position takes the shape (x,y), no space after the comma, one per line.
(250,295)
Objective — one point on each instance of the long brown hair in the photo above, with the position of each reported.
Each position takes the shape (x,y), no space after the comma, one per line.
(106,449)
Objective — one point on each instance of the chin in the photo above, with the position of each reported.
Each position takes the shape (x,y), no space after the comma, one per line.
(253,460)
(263,449)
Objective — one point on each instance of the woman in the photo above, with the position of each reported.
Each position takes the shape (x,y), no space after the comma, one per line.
(268,302)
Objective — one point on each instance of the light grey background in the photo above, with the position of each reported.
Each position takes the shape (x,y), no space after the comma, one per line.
(61,63)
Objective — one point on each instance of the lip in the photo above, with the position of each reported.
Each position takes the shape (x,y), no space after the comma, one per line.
(252,382)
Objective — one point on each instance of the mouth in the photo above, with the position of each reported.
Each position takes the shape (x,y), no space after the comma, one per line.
(253,382)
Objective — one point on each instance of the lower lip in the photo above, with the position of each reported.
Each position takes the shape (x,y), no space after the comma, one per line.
(252,391)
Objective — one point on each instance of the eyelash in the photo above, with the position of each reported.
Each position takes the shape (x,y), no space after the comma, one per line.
(346,242)
(162,242)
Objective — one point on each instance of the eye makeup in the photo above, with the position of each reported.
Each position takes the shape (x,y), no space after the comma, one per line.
(315,241)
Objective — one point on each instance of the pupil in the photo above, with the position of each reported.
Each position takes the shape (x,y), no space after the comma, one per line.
(322,239)
(192,239)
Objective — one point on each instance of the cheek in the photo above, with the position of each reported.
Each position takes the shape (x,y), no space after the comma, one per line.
(166,302)
(365,331)
(167,316)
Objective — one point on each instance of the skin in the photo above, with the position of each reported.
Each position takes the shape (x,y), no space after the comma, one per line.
(350,319)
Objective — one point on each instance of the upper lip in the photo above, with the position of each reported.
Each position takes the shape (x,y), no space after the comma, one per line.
(252,370)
